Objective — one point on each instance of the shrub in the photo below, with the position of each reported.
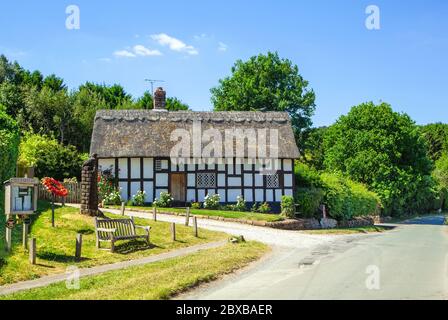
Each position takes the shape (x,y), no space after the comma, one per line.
(309,201)
(112,198)
(240,204)
(288,207)
(50,158)
(9,150)
(106,184)
(139,198)
(196,205)
(212,201)
(164,201)
(254,207)
(264,208)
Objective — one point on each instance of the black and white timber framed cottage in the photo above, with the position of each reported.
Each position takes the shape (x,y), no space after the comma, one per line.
(137,145)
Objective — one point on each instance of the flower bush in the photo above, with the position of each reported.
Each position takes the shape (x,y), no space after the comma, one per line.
(195,205)
(288,207)
(139,198)
(264,208)
(54,187)
(164,201)
(112,198)
(240,204)
(212,201)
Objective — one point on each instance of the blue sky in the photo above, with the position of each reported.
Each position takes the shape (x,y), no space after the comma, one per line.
(192,44)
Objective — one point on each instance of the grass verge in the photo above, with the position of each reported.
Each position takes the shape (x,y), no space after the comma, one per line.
(161,280)
(368,229)
(56,246)
(251,216)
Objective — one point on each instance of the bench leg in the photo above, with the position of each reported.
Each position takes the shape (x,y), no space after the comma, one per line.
(112,246)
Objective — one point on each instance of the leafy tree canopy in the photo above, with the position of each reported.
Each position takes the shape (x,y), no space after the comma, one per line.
(436,136)
(374,145)
(266,83)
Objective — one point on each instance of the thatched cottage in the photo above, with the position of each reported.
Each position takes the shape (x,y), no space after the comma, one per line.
(143,149)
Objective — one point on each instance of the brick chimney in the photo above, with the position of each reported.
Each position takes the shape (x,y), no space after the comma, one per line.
(159,99)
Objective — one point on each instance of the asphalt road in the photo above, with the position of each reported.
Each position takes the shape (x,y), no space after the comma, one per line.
(409,262)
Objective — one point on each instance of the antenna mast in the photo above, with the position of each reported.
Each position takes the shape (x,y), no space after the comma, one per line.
(152,81)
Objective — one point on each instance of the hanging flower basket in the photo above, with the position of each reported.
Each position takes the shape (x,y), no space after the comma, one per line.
(54,187)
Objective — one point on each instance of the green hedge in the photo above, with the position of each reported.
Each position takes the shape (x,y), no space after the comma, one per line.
(343,197)
(9,150)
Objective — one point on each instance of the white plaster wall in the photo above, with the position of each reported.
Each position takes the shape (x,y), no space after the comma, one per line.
(159,191)
(222,195)
(234,182)
(258,180)
(287,178)
(148,168)
(135,168)
(201,195)
(248,196)
(278,195)
(221,167)
(191,177)
(221,180)
(161,179)
(123,190)
(259,195)
(135,187)
(104,164)
(287,165)
(248,180)
(191,195)
(233,194)
(288,192)
(123,167)
(269,195)
(164,164)
(148,188)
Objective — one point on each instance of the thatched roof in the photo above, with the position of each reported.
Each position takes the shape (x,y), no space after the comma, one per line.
(146,133)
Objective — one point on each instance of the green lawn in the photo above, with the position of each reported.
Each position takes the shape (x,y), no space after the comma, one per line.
(368,229)
(161,280)
(251,216)
(56,246)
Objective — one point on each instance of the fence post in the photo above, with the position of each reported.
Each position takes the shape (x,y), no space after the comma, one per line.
(122,208)
(25,232)
(154,213)
(33,250)
(78,246)
(187,218)
(195,226)
(173,231)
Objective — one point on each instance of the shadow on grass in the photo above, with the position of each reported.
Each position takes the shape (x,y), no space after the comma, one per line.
(133,246)
(62,258)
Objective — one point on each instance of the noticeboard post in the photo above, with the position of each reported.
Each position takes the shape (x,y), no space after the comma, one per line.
(20,200)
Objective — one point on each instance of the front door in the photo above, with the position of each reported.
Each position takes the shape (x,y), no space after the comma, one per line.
(178,186)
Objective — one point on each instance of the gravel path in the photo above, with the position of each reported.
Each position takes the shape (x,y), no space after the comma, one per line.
(270,236)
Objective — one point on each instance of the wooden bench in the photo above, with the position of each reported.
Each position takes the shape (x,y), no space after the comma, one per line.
(112,230)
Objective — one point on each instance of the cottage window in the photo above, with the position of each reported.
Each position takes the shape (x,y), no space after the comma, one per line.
(161,165)
(206,180)
(272,181)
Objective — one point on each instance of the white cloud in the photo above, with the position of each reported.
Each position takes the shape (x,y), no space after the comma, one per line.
(143,51)
(124,54)
(105,59)
(174,44)
(222,47)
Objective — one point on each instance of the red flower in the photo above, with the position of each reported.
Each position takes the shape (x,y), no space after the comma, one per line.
(54,187)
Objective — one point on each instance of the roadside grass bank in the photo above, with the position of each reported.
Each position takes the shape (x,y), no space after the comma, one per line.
(56,246)
(338,231)
(251,216)
(160,280)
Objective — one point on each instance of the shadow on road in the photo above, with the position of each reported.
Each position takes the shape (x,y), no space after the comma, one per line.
(430,220)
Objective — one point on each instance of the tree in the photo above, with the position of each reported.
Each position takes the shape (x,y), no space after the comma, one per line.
(440,174)
(266,83)
(374,145)
(436,136)
(312,147)
(114,96)
(9,148)
(172,104)
(49,157)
